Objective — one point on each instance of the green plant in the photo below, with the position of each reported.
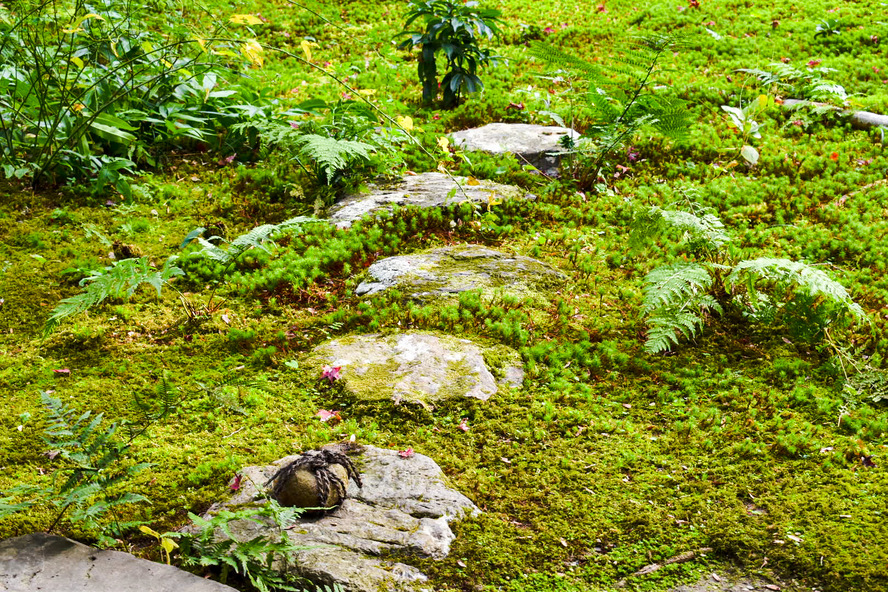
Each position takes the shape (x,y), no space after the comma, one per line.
(257,559)
(678,296)
(808,84)
(94,473)
(85,92)
(455,28)
(742,119)
(619,101)
(121,277)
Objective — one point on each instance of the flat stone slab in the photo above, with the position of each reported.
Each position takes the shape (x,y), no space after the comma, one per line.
(428,190)
(50,563)
(448,271)
(403,508)
(539,145)
(418,367)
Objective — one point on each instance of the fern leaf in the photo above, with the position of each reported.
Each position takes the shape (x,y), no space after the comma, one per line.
(671,286)
(331,155)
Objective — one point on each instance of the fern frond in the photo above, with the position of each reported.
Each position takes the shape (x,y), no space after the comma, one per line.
(701,229)
(331,155)
(262,237)
(674,286)
(794,276)
(121,278)
(559,59)
(663,329)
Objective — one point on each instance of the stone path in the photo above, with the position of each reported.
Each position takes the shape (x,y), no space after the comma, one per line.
(403,509)
(50,563)
(538,145)
(451,270)
(428,190)
(419,367)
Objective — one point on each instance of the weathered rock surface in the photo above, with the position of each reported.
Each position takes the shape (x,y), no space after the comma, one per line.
(428,190)
(403,508)
(51,563)
(859,119)
(419,367)
(736,581)
(448,271)
(537,144)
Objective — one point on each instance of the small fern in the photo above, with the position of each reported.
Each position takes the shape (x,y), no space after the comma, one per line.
(701,229)
(806,84)
(89,473)
(619,100)
(332,156)
(675,298)
(120,279)
(261,237)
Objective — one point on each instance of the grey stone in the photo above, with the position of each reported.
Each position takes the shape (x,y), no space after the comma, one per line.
(859,119)
(404,508)
(52,563)
(419,367)
(539,145)
(450,270)
(427,190)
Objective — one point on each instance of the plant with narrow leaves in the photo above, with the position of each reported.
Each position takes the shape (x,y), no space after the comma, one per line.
(121,279)
(455,28)
(92,471)
(619,101)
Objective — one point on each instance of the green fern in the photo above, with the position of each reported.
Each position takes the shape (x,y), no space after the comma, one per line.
(806,84)
(119,279)
(808,298)
(89,470)
(675,298)
(261,237)
(330,155)
(618,99)
(701,229)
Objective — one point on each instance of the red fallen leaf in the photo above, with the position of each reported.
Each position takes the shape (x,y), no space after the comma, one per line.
(813,63)
(867,461)
(328,416)
(516,106)
(834,156)
(694,3)
(227,160)
(62,371)
(331,373)
(464,425)
(785,60)
(235,485)
(406,453)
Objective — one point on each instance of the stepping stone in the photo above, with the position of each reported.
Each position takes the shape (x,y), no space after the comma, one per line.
(403,509)
(539,145)
(428,190)
(418,367)
(50,563)
(448,271)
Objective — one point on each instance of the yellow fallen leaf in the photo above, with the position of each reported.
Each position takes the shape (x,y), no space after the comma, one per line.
(253,52)
(472,181)
(306,48)
(367,92)
(405,122)
(444,144)
(244,19)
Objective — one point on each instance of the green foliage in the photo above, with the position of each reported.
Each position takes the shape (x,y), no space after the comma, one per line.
(120,279)
(808,84)
(456,29)
(87,92)
(257,559)
(260,238)
(676,296)
(92,476)
(619,101)
(675,299)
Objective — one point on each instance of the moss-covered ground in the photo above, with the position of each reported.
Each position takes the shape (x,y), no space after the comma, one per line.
(609,458)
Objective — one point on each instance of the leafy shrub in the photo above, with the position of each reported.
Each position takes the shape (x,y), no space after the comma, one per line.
(86,92)
(454,28)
